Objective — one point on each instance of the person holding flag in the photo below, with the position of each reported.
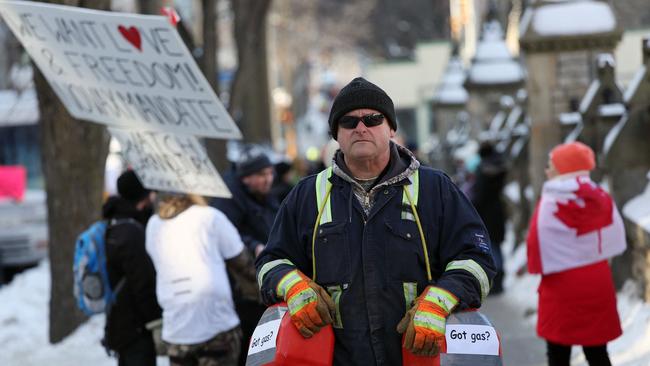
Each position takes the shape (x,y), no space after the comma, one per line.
(574,230)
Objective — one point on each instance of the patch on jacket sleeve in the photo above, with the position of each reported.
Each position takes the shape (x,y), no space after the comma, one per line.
(481,242)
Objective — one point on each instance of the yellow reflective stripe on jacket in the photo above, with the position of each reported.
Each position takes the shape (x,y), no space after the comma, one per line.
(298,301)
(430,321)
(335,292)
(413,189)
(476,270)
(410,293)
(288,281)
(441,297)
(322,187)
(269,266)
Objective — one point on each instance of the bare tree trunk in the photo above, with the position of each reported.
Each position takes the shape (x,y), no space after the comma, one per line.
(209,63)
(216,149)
(73,155)
(249,93)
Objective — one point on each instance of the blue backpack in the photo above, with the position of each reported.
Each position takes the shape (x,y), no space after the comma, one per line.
(92,288)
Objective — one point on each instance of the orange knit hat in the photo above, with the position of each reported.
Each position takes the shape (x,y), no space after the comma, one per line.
(572,157)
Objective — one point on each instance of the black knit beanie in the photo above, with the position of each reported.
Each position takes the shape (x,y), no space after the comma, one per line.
(358,94)
(130,188)
(250,164)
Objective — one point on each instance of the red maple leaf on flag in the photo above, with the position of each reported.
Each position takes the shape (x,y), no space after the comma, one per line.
(591,210)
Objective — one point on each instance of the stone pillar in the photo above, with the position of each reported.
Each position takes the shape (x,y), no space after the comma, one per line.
(449,99)
(494,73)
(559,64)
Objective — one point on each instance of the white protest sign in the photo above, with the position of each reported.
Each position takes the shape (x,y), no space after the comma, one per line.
(119,69)
(167,162)
(264,337)
(472,339)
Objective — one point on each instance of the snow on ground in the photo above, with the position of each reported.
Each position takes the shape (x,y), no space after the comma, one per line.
(24,319)
(24,328)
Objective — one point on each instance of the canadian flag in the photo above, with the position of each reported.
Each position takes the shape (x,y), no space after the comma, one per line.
(576,223)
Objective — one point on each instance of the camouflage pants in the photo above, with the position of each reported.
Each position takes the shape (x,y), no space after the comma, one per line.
(222,350)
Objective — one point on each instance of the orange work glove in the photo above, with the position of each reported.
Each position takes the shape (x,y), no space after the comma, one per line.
(425,322)
(310,306)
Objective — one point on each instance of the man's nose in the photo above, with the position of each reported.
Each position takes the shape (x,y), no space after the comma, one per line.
(361,126)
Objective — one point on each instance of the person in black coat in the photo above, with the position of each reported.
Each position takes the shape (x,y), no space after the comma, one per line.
(282,184)
(252,210)
(252,207)
(131,274)
(486,197)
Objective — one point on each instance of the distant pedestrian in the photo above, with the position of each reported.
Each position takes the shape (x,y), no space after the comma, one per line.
(282,183)
(252,210)
(486,197)
(191,245)
(575,229)
(131,274)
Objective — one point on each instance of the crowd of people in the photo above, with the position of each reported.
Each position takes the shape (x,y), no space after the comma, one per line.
(185,268)
(376,244)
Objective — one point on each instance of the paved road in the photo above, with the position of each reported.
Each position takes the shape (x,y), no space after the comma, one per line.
(519,342)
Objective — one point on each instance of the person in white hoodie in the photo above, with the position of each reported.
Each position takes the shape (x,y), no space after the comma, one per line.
(191,244)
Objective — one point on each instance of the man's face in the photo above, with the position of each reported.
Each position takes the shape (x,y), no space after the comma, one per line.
(363,142)
(259,182)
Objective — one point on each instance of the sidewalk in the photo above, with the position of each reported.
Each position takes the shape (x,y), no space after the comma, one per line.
(513,312)
(519,342)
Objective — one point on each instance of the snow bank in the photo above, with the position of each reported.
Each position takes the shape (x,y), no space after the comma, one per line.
(24,328)
(637,209)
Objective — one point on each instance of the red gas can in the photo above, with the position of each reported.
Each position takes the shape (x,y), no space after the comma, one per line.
(409,359)
(276,341)
(469,340)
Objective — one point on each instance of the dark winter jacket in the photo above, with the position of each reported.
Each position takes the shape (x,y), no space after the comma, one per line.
(486,195)
(373,263)
(127,258)
(281,187)
(251,216)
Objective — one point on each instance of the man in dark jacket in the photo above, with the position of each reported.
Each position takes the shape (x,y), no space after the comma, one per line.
(356,244)
(252,210)
(131,274)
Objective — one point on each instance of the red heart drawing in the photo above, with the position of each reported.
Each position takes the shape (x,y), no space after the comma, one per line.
(132,35)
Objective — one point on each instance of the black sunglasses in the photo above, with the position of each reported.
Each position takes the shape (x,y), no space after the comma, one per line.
(370,120)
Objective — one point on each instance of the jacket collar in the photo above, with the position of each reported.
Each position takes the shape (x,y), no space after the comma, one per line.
(402,164)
